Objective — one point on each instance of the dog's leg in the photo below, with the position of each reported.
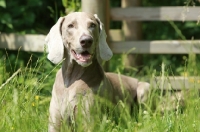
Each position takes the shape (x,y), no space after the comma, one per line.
(54,117)
(142,92)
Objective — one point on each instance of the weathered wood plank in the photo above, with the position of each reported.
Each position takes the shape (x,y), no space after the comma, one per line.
(175,83)
(33,43)
(156,13)
(157,47)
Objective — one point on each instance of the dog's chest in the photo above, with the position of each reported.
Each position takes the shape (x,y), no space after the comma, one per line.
(79,93)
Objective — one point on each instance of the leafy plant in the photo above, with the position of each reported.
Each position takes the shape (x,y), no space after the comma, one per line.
(71,5)
(27,16)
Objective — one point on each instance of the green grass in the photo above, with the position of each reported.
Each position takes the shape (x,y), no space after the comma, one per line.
(25,97)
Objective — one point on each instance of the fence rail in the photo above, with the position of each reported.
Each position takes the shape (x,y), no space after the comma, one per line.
(176,13)
(33,43)
(157,47)
(175,83)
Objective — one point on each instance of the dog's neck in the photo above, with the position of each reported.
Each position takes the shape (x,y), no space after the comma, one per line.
(91,75)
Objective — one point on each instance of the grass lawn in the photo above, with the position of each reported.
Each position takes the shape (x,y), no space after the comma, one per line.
(25,95)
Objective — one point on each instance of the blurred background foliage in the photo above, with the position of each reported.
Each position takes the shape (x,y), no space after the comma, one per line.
(28,16)
(37,17)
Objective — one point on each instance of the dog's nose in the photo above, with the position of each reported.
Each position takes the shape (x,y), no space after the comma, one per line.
(86,41)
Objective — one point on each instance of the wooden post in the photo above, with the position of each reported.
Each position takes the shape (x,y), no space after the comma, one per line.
(132,31)
(101,8)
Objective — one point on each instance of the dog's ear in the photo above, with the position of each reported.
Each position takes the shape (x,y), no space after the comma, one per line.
(105,52)
(55,43)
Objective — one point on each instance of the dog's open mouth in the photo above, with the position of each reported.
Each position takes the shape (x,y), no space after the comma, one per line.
(84,56)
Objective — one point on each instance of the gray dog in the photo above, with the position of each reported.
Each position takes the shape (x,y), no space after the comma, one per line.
(79,39)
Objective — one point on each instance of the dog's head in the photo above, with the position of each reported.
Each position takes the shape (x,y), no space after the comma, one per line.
(82,35)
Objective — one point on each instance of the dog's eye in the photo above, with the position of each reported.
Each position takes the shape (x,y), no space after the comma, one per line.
(70,26)
(92,25)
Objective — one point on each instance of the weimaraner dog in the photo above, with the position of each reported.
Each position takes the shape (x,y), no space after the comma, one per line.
(78,40)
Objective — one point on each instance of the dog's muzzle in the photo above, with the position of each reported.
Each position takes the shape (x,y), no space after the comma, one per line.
(83,57)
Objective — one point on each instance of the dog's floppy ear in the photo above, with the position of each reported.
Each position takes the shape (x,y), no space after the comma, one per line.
(55,43)
(105,52)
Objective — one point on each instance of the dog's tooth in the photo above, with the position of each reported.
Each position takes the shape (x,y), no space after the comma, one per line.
(78,55)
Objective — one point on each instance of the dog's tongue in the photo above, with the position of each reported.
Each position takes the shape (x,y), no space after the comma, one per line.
(83,56)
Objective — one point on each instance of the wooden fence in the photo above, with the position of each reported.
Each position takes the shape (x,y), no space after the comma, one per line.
(35,43)
(154,14)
